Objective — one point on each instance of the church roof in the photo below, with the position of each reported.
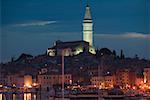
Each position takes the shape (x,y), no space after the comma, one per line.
(70,44)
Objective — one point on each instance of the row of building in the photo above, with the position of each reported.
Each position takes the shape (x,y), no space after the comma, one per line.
(124,78)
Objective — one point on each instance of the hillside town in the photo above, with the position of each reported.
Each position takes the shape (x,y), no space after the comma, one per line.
(75,70)
(105,70)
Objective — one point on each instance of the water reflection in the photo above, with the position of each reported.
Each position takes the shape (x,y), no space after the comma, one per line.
(45,96)
(14,96)
(27,96)
(0,96)
(19,96)
(34,97)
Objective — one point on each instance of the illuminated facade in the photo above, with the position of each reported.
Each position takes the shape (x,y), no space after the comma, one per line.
(88,26)
(2,77)
(125,77)
(139,81)
(27,81)
(19,80)
(104,82)
(69,48)
(147,75)
(48,80)
(98,81)
(76,47)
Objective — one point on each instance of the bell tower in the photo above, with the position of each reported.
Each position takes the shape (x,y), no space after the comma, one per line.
(88,26)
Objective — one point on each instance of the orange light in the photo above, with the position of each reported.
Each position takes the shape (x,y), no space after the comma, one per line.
(1,86)
(14,85)
(133,87)
(148,87)
(111,86)
(1,96)
(27,85)
(34,84)
(141,82)
(28,81)
(70,81)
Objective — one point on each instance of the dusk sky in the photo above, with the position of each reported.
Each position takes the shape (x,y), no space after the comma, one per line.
(32,26)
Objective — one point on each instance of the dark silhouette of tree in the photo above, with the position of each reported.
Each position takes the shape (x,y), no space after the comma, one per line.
(114,53)
(122,55)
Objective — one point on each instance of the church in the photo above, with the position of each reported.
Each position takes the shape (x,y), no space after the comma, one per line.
(72,48)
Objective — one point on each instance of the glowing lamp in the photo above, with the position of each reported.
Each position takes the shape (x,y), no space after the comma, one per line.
(28,81)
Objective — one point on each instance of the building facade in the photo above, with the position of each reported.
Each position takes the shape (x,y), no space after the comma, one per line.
(125,78)
(48,80)
(69,48)
(147,75)
(103,82)
(76,47)
(15,80)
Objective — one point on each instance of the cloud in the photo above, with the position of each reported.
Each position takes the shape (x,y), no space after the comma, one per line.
(36,23)
(125,35)
(136,35)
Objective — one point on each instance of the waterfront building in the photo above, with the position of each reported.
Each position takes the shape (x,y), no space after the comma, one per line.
(28,80)
(139,80)
(104,82)
(132,78)
(147,75)
(2,78)
(109,81)
(48,80)
(125,78)
(98,81)
(15,80)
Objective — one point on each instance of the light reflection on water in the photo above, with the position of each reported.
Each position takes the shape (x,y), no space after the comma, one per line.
(0,96)
(34,97)
(27,96)
(14,96)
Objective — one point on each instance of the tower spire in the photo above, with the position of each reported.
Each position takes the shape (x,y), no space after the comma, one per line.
(88,26)
(87,12)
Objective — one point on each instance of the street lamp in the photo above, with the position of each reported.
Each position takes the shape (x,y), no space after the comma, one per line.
(40,91)
(100,74)
(62,53)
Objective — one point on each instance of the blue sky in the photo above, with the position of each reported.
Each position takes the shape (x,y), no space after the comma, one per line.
(31,26)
